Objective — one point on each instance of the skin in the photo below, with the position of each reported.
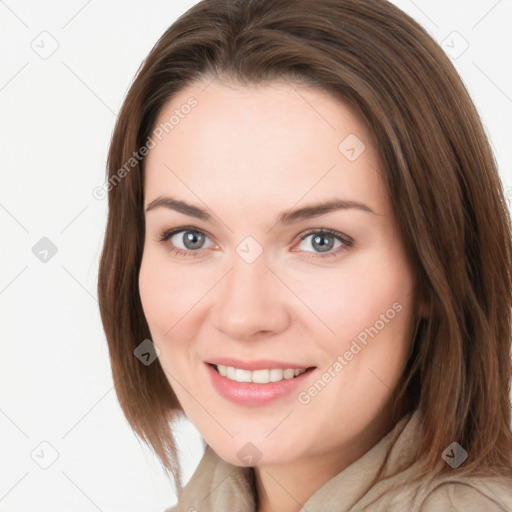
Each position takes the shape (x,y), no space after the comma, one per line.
(247,154)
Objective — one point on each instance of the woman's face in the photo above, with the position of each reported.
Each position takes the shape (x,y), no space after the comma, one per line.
(239,270)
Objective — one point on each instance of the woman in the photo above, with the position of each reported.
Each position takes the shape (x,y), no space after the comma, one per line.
(308,255)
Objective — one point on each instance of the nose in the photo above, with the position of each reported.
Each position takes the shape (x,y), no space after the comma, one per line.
(250,301)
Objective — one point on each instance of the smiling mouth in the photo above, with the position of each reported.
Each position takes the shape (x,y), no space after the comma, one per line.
(263,376)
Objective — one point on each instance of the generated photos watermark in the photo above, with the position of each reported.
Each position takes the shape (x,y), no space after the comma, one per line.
(361,341)
(100,192)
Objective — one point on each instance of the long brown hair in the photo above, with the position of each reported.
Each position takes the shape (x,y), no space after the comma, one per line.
(441,178)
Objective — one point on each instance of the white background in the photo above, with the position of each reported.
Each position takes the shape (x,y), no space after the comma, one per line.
(56,118)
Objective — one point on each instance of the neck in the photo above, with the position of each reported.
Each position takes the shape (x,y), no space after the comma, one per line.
(287,487)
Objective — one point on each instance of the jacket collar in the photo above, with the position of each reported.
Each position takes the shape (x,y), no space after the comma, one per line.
(218,485)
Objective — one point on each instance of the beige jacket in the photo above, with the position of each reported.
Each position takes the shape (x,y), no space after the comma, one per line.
(217,486)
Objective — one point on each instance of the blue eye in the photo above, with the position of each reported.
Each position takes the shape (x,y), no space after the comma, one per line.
(324,240)
(191,239)
(189,242)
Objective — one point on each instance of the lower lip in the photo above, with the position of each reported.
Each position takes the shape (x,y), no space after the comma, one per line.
(251,394)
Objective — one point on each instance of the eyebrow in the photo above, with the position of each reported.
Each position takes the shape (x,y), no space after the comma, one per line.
(284,218)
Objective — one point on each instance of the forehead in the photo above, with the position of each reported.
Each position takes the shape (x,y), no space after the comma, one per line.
(279,141)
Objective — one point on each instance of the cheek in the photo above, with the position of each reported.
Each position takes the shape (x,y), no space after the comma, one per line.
(348,303)
(364,360)
(171,300)
(366,315)
(153,290)
(159,289)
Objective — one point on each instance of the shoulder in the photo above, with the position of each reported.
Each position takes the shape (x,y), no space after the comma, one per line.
(443,494)
(468,496)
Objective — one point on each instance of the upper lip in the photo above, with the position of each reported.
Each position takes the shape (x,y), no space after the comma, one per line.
(257,364)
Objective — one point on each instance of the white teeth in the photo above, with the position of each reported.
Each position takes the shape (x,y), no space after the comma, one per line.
(258,376)
(275,375)
(289,374)
(243,375)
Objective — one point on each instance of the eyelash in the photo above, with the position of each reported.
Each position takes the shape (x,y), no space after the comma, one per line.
(344,239)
